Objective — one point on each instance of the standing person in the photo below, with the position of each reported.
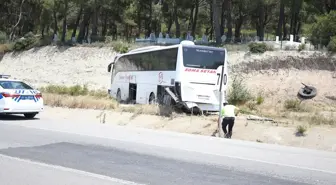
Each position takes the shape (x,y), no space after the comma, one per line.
(229,113)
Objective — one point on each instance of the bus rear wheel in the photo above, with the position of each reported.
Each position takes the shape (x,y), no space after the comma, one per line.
(118,96)
(152,99)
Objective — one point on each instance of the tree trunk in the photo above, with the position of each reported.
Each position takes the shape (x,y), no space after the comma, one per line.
(285,31)
(281,19)
(177,24)
(229,20)
(191,18)
(65,20)
(170,23)
(216,4)
(195,19)
(261,20)
(292,17)
(94,33)
(11,36)
(149,23)
(104,28)
(211,29)
(42,30)
(55,22)
(139,21)
(222,24)
(84,25)
(77,21)
(86,33)
(238,25)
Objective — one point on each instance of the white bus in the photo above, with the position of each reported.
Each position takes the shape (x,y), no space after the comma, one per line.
(184,74)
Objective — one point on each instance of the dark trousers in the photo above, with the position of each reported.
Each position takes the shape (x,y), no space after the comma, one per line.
(228,122)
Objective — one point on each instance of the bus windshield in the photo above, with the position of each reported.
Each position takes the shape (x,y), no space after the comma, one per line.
(204,58)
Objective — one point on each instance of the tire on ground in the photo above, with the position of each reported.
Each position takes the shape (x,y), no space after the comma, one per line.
(304,95)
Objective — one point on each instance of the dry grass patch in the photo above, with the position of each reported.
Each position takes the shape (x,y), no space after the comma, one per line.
(93,102)
(83,102)
(319,119)
(317,61)
(81,97)
(297,106)
(76,90)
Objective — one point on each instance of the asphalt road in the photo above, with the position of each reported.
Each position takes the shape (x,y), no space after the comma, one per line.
(38,152)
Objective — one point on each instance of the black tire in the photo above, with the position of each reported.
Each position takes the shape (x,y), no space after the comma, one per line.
(308,92)
(30,115)
(119,96)
(152,99)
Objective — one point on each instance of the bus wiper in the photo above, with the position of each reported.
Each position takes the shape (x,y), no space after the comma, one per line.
(191,65)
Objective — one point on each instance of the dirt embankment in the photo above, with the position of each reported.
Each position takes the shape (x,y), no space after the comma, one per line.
(60,65)
(277,75)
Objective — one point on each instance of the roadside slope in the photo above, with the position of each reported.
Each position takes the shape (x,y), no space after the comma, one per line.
(60,65)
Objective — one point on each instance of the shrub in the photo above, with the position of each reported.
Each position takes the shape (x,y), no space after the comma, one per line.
(292,105)
(252,105)
(45,41)
(302,47)
(120,47)
(301,130)
(323,28)
(3,37)
(75,90)
(260,99)
(257,47)
(332,44)
(25,43)
(239,93)
(4,48)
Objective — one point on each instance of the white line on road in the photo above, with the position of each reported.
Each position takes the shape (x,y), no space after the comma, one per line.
(188,150)
(102,177)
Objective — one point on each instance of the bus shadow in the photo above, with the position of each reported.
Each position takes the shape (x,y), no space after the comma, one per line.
(12,117)
(169,111)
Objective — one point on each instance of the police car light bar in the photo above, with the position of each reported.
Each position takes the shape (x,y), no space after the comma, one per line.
(5,76)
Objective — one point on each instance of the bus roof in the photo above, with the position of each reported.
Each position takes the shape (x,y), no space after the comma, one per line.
(157,48)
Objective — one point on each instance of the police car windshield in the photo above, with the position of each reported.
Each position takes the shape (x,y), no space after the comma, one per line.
(14,85)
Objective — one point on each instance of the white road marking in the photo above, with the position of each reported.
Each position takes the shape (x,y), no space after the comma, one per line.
(102,177)
(188,150)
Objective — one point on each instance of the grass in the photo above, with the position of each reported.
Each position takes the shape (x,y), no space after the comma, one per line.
(301,130)
(80,101)
(293,105)
(319,119)
(81,97)
(260,99)
(76,90)
(239,93)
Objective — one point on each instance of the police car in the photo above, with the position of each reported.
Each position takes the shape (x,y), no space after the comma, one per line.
(17,97)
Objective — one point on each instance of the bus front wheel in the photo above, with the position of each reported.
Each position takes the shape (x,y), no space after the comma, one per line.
(118,96)
(152,99)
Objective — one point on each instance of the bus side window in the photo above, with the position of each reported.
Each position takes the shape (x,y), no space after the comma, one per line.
(155,61)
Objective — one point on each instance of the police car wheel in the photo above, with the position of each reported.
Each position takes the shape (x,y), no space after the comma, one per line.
(30,115)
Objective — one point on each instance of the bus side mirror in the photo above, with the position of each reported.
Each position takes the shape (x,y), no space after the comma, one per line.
(109,67)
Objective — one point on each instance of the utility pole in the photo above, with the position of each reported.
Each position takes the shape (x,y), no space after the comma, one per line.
(220,103)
